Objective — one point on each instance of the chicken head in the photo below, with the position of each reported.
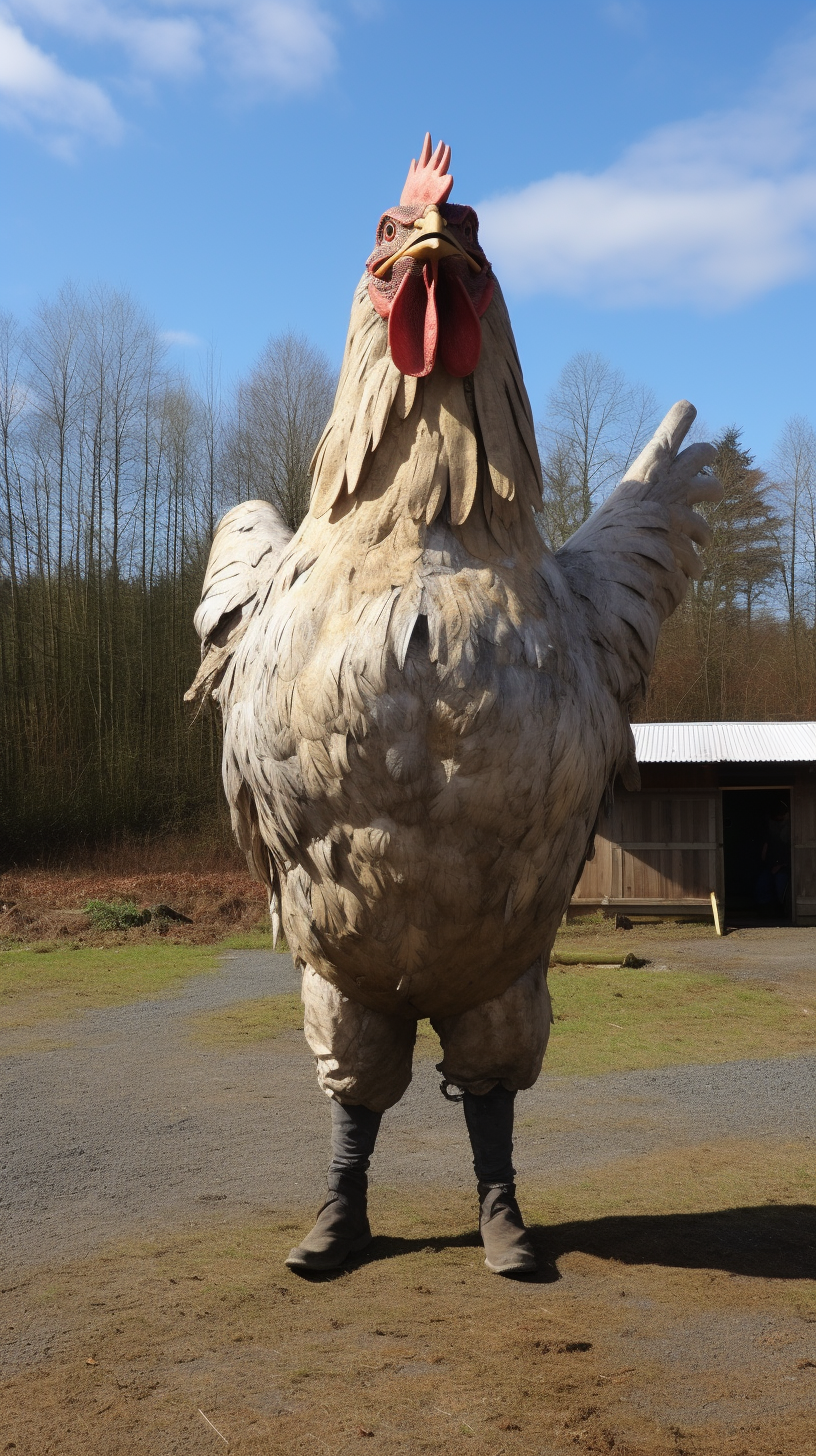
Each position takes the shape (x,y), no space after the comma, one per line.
(428,275)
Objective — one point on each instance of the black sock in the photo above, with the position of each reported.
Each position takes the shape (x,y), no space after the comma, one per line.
(490,1125)
(354,1133)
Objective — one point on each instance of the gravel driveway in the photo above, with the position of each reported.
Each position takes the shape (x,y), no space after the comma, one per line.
(131,1125)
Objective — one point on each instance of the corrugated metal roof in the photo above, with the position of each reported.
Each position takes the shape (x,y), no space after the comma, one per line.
(725,742)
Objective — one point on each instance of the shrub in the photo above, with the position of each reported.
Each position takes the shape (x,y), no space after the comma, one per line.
(115,914)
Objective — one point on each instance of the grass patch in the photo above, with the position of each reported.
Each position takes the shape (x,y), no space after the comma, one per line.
(606,1020)
(247,1022)
(54,981)
(115,914)
(678,1182)
(685,1281)
(259,937)
(624,1020)
(427,1042)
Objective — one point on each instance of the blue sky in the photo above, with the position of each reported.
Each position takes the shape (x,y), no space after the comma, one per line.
(645,173)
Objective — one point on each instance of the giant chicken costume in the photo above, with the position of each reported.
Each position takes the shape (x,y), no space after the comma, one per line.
(423,706)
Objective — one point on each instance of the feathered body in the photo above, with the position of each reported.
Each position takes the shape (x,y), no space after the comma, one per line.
(422,705)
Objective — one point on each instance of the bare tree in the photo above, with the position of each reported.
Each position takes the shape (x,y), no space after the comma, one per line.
(596,422)
(113,474)
(213,432)
(55,349)
(282,407)
(794,476)
(794,469)
(12,400)
(561,506)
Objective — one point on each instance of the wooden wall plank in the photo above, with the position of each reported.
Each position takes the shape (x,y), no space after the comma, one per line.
(657,847)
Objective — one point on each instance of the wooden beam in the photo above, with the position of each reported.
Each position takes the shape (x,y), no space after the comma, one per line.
(641,906)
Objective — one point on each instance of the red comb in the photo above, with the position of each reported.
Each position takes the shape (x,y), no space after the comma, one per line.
(428,179)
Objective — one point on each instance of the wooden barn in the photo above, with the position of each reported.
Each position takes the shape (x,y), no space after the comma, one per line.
(728,808)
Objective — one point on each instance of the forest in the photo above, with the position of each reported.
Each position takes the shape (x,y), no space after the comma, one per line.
(116,467)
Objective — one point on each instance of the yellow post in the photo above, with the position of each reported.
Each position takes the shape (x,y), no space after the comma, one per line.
(716,909)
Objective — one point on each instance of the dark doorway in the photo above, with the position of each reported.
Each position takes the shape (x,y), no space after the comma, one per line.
(757,855)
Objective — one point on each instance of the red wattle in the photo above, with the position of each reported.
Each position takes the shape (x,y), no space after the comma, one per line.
(431,331)
(412,324)
(460,333)
(432,312)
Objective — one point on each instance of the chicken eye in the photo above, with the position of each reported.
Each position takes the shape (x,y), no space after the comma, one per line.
(389,232)
(468,231)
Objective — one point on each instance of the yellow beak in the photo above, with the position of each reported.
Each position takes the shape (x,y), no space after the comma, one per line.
(431,241)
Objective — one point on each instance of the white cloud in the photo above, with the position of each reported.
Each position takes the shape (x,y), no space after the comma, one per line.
(181,339)
(156,44)
(37,95)
(276,41)
(709,212)
(282,46)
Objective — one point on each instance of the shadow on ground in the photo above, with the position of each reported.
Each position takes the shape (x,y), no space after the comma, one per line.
(770,1241)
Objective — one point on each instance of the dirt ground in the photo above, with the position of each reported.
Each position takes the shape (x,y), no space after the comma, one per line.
(683,1328)
(153,1189)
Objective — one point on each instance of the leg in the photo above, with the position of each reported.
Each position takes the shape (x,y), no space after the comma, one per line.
(362,1056)
(364,1065)
(503,1040)
(492,1052)
(489,1119)
(354,1133)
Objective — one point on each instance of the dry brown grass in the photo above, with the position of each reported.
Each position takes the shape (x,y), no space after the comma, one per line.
(45,904)
(683,1324)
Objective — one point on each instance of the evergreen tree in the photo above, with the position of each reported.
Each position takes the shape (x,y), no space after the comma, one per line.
(742,561)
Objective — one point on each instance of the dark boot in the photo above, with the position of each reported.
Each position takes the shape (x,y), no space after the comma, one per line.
(342,1226)
(490,1124)
(507,1244)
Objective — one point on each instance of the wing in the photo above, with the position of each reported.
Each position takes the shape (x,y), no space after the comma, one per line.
(246,550)
(247,546)
(630,563)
